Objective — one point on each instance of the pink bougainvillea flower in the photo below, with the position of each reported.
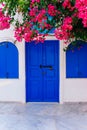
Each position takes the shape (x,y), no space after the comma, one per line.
(4,21)
(52,10)
(81,6)
(33,1)
(67,4)
(63,32)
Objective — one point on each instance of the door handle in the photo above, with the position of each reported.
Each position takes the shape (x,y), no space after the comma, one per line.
(41,66)
(46,66)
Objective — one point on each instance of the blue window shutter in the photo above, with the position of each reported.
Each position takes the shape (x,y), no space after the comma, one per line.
(12,61)
(71,64)
(82,62)
(2,60)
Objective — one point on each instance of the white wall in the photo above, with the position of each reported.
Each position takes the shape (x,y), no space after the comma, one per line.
(72,89)
(75,90)
(13,89)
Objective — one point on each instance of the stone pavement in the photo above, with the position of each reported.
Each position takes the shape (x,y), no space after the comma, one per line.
(43,116)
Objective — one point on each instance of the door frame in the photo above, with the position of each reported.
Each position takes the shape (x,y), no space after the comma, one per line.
(61,69)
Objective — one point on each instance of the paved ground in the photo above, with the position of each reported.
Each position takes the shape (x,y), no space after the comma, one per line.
(43,116)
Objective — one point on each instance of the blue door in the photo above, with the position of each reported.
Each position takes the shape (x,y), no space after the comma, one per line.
(42,72)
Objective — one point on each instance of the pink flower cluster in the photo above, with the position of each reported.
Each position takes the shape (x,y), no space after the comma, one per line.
(40,17)
(4,21)
(52,10)
(18,34)
(29,33)
(33,12)
(63,32)
(26,32)
(67,4)
(39,20)
(33,1)
(67,24)
(81,6)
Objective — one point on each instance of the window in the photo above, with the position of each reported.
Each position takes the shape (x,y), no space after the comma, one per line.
(76,63)
(8,60)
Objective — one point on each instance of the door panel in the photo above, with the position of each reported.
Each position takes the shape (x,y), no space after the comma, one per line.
(51,78)
(51,93)
(33,71)
(35,90)
(49,51)
(42,74)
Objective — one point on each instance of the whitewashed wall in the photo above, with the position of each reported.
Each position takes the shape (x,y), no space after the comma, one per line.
(71,90)
(13,89)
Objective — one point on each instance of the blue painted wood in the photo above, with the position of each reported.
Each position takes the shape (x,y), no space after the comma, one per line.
(50,57)
(76,63)
(8,60)
(33,71)
(12,61)
(82,62)
(72,64)
(42,84)
(2,60)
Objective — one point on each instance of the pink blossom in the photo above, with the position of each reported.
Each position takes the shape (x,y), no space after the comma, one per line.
(33,12)
(41,16)
(38,1)
(40,38)
(4,21)
(52,10)
(18,34)
(67,4)
(61,34)
(28,36)
(67,24)
(81,6)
